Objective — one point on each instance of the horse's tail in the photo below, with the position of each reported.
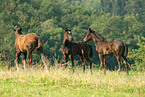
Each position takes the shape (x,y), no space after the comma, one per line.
(39,47)
(125,49)
(83,57)
(91,51)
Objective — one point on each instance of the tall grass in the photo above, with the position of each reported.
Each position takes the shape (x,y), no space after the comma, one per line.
(60,82)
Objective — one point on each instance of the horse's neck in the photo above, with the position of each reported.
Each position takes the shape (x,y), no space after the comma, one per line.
(63,43)
(66,43)
(17,34)
(97,37)
(97,40)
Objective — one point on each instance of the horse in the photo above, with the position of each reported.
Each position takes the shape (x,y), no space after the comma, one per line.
(26,44)
(104,48)
(71,49)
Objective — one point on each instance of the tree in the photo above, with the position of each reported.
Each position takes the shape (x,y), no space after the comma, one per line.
(136,7)
(138,55)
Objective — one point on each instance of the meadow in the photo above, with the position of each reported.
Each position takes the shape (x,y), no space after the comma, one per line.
(60,82)
(114,20)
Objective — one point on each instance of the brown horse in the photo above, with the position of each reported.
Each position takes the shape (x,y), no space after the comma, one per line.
(70,49)
(104,47)
(26,44)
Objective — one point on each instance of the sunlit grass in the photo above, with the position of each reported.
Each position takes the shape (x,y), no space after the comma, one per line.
(63,83)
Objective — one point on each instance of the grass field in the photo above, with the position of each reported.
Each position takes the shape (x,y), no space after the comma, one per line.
(60,82)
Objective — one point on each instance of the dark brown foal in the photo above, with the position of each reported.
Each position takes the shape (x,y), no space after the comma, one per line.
(70,49)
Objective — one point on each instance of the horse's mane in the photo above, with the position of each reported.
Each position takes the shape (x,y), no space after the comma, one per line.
(99,36)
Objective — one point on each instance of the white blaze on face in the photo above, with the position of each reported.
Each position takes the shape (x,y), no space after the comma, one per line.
(69,32)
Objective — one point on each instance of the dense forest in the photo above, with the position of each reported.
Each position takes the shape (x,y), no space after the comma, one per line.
(113,19)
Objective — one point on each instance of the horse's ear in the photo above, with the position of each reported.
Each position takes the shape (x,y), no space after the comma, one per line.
(90,29)
(14,29)
(20,29)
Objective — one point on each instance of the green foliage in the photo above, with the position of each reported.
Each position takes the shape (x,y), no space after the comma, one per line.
(52,37)
(112,27)
(136,7)
(114,19)
(138,55)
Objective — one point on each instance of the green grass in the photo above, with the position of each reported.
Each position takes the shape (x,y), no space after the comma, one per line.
(60,82)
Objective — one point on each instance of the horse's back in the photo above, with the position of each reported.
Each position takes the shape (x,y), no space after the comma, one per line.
(31,36)
(103,44)
(86,48)
(76,48)
(117,43)
(27,41)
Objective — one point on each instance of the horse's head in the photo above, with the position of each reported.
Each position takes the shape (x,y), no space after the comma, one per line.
(67,34)
(93,35)
(88,36)
(18,30)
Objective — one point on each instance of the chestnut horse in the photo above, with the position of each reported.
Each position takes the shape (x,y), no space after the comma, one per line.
(26,44)
(70,49)
(104,47)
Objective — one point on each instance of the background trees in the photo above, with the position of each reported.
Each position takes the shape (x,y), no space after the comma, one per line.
(114,19)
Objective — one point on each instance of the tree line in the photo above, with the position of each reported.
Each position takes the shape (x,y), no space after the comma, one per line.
(114,19)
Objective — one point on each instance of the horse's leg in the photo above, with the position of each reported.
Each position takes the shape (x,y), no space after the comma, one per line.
(101,57)
(89,62)
(43,58)
(72,62)
(40,50)
(104,65)
(126,64)
(119,63)
(17,58)
(82,60)
(24,60)
(104,61)
(29,58)
(66,60)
